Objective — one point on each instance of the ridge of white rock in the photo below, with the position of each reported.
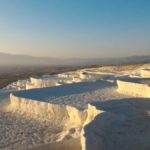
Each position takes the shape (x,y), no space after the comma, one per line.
(145,73)
(70,116)
(38,82)
(137,84)
(83,75)
(132,88)
(52,80)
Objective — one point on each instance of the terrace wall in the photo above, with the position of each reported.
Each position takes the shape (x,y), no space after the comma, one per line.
(43,83)
(58,112)
(145,73)
(135,89)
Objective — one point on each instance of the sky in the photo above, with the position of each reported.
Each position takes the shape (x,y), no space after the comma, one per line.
(75,28)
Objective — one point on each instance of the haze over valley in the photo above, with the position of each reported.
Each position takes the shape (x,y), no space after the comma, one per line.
(27,60)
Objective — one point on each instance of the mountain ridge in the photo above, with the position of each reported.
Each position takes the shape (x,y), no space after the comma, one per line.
(25,60)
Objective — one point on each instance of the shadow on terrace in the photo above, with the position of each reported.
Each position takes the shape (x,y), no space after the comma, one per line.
(124,126)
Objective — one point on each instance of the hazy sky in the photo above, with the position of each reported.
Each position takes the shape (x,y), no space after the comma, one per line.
(75,28)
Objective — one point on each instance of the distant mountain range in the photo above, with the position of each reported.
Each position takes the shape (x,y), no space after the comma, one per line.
(25,60)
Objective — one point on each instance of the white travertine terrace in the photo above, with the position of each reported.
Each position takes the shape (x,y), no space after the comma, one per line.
(70,108)
(83,75)
(145,73)
(42,109)
(42,82)
(136,89)
(64,78)
(71,116)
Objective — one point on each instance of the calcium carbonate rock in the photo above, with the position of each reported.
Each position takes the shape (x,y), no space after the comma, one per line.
(132,88)
(70,116)
(145,73)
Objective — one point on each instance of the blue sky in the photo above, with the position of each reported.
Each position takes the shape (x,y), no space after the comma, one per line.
(75,28)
